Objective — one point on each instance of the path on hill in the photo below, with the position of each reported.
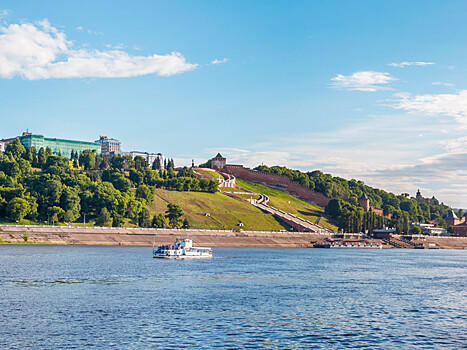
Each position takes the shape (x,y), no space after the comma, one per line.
(294,221)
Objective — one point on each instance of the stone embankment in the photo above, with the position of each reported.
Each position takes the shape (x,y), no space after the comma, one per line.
(147,237)
(71,235)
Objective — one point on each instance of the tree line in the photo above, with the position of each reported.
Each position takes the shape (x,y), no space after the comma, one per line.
(399,210)
(41,186)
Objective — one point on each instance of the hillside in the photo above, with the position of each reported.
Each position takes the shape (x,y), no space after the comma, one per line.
(290,204)
(224,212)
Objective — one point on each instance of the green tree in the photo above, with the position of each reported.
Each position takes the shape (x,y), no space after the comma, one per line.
(15,149)
(144,192)
(17,209)
(55,213)
(186,223)
(104,218)
(416,230)
(334,208)
(145,218)
(158,221)
(173,214)
(156,165)
(87,158)
(41,157)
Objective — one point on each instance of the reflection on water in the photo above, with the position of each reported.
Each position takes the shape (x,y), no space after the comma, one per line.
(121,298)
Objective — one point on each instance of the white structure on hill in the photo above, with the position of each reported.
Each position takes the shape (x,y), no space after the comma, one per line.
(149,157)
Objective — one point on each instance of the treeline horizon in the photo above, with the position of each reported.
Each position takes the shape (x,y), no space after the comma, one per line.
(399,210)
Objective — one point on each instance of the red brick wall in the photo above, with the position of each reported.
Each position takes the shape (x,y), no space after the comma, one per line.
(459,231)
(294,188)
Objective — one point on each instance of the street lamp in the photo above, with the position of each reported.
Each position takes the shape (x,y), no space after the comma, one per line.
(84,219)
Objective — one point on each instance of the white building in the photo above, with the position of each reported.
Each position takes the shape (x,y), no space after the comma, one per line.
(430,229)
(149,157)
(2,146)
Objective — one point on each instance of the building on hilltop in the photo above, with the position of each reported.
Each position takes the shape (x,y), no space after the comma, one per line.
(419,194)
(58,146)
(364,202)
(2,147)
(149,157)
(218,162)
(109,145)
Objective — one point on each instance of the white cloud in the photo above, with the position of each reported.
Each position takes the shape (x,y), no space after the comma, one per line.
(79,28)
(42,52)
(407,64)
(216,61)
(4,13)
(454,105)
(458,144)
(363,81)
(440,83)
(116,47)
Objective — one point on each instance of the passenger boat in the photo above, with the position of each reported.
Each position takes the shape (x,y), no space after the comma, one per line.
(348,244)
(181,249)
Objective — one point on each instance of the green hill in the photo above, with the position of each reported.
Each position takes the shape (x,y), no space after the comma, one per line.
(290,204)
(224,212)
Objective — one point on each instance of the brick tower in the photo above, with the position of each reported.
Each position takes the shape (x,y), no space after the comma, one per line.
(218,162)
(364,202)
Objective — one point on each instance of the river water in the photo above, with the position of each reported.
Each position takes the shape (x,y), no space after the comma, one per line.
(64,297)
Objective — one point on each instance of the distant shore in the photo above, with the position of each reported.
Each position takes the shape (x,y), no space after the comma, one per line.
(106,236)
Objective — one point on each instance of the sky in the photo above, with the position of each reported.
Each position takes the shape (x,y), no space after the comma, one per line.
(371,90)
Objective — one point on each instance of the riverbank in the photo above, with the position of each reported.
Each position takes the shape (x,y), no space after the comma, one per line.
(113,236)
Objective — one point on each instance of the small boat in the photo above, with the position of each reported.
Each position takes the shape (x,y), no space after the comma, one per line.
(181,249)
(348,244)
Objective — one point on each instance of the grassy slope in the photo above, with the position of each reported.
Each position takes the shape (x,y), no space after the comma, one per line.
(289,203)
(213,174)
(224,211)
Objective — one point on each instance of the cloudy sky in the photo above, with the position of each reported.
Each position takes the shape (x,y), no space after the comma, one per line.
(372,90)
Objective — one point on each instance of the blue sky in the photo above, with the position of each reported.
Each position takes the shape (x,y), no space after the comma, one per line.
(373,90)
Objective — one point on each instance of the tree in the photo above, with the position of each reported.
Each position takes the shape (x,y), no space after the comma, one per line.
(145,193)
(145,218)
(174,213)
(87,158)
(17,209)
(158,221)
(41,156)
(416,230)
(333,208)
(104,218)
(15,149)
(186,223)
(156,165)
(55,213)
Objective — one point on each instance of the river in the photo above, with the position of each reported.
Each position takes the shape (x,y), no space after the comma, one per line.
(65,297)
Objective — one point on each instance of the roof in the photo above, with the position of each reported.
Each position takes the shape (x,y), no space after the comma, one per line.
(218,155)
(364,196)
(452,215)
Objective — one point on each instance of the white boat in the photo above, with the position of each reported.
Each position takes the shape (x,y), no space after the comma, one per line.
(182,249)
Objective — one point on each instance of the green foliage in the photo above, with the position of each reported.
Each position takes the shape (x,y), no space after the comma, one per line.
(17,209)
(173,214)
(87,158)
(158,221)
(416,230)
(145,218)
(402,208)
(104,218)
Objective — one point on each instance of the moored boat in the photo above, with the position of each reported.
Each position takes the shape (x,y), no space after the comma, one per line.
(182,249)
(348,244)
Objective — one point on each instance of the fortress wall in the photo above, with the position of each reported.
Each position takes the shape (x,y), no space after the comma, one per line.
(294,188)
